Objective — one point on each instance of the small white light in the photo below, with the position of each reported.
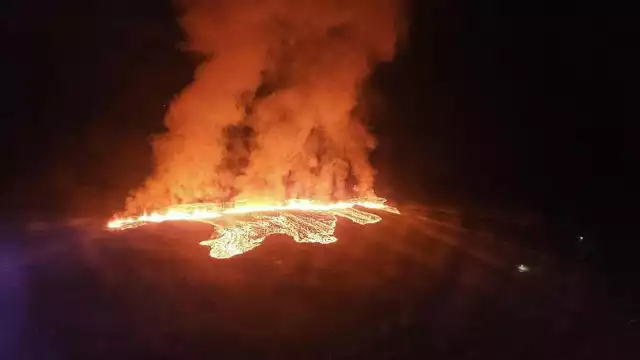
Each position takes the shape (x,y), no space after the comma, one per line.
(580,238)
(523,268)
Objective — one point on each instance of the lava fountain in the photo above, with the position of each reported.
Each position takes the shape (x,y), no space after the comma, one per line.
(275,112)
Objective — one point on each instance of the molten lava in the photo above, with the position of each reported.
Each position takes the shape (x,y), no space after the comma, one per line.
(242,227)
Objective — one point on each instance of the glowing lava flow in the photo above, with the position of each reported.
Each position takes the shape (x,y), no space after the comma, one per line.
(245,226)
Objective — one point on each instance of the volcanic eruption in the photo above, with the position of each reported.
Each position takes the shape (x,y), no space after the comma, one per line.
(270,122)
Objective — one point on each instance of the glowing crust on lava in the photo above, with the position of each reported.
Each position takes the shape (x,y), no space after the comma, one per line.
(305,221)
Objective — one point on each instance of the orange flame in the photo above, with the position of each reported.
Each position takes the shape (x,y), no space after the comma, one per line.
(306,221)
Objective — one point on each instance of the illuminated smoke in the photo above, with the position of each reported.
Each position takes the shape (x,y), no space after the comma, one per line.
(269,114)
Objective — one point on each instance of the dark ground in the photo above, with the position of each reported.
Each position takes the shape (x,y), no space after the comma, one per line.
(518,115)
(409,287)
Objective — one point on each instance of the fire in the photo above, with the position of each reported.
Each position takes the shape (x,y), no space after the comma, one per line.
(241,227)
(273,112)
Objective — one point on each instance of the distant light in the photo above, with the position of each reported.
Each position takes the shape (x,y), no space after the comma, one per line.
(580,238)
(523,268)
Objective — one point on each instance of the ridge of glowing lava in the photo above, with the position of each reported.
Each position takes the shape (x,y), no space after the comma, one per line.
(303,220)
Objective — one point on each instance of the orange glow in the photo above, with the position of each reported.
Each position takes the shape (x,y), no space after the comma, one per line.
(274,112)
(303,220)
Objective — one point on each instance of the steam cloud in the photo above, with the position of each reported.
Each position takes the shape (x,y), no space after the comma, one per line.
(270,112)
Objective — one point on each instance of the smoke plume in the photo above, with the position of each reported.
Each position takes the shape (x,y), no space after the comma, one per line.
(270,112)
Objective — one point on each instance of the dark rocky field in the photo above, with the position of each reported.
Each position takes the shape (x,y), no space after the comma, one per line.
(411,287)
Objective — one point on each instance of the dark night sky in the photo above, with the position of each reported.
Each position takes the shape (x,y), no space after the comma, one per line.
(515,106)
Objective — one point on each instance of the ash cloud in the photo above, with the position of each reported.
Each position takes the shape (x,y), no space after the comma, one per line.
(270,112)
